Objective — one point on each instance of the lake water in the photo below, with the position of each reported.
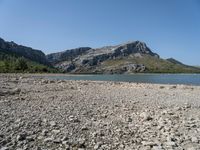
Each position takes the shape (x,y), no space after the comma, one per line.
(189,79)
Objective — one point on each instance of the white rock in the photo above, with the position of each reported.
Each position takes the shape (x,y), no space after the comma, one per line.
(44,132)
(21,137)
(157,148)
(145,143)
(145,116)
(171,143)
(48,140)
(97,145)
(56,131)
(4,148)
(194,140)
(191,148)
(52,123)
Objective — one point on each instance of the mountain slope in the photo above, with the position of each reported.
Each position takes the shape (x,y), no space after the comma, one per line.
(130,57)
(66,55)
(174,61)
(23,51)
(18,58)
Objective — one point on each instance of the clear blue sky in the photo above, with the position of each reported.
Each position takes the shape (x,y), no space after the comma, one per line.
(169,27)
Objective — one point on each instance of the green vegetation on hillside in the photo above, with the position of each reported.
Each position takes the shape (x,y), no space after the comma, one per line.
(12,63)
(153,64)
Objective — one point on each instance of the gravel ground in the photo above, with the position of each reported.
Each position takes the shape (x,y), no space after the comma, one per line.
(42,114)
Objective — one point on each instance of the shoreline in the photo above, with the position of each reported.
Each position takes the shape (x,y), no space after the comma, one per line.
(51,75)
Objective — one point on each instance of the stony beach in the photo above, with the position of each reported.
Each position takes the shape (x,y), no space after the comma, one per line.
(42,114)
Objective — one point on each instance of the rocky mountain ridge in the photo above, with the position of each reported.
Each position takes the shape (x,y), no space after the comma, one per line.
(86,58)
(24,51)
(66,55)
(130,57)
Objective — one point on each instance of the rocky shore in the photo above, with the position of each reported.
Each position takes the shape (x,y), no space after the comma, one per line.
(42,114)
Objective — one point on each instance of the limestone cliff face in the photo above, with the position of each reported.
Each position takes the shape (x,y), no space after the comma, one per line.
(27,52)
(89,60)
(67,55)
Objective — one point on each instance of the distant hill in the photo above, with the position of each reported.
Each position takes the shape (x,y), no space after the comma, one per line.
(18,58)
(131,57)
(20,50)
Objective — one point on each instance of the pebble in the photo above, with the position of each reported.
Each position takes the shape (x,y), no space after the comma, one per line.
(52,123)
(73,119)
(191,148)
(57,141)
(56,131)
(84,128)
(145,116)
(46,140)
(194,140)
(64,138)
(4,148)
(67,147)
(44,132)
(21,137)
(170,143)
(145,143)
(97,145)
(30,138)
(129,119)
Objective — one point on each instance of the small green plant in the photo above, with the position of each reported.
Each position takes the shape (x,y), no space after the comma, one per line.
(21,64)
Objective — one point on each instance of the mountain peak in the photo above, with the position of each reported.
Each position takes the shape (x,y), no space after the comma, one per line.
(136,47)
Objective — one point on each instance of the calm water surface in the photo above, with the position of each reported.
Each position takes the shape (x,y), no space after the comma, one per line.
(189,79)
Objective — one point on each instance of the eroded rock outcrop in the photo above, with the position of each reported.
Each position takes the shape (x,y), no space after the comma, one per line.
(88,60)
